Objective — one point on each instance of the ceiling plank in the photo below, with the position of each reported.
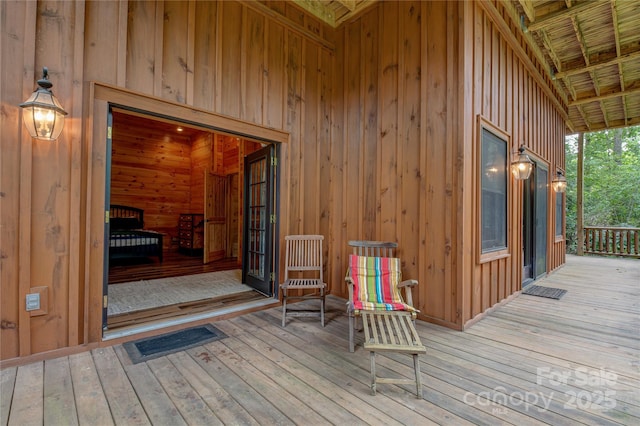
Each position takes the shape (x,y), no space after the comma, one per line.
(349,4)
(616,34)
(589,68)
(319,10)
(605,96)
(360,7)
(557,17)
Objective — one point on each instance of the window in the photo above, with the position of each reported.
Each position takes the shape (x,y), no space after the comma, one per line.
(559,216)
(494,179)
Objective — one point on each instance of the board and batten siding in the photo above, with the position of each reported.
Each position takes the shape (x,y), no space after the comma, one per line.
(377,121)
(509,94)
(414,82)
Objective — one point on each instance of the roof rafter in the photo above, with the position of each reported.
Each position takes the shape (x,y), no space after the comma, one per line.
(605,96)
(555,17)
(613,61)
(616,34)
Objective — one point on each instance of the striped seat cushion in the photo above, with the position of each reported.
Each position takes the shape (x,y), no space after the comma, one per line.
(376,282)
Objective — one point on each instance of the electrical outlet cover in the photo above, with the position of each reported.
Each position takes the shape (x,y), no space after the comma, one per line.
(33,301)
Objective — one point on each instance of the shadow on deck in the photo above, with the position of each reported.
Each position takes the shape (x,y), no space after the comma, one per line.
(531,361)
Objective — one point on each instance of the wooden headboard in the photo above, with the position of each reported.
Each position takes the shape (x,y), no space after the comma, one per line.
(125,217)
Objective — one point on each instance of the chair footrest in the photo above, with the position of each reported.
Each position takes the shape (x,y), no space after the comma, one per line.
(409,349)
(390,331)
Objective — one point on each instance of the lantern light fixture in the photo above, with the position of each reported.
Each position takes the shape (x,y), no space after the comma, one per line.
(43,115)
(522,167)
(559,183)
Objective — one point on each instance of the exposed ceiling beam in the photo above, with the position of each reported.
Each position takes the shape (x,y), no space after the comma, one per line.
(616,34)
(555,17)
(529,9)
(604,97)
(349,4)
(589,68)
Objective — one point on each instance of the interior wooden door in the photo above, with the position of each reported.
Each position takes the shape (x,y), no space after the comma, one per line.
(215,211)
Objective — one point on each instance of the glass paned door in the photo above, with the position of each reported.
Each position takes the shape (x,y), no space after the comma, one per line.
(258,226)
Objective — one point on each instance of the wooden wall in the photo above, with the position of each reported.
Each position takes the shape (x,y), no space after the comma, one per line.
(414,82)
(153,172)
(398,146)
(380,116)
(510,91)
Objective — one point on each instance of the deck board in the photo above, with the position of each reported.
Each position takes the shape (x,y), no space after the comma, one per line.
(7,382)
(531,361)
(91,402)
(27,405)
(213,394)
(59,401)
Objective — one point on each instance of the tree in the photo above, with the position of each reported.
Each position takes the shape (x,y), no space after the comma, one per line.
(611,180)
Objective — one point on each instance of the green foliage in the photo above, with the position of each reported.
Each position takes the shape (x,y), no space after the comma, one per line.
(611,180)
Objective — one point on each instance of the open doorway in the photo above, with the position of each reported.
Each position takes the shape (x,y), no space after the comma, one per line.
(174,192)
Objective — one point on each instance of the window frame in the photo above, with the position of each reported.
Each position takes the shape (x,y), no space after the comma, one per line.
(498,253)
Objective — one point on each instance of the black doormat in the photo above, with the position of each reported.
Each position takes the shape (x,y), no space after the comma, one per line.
(549,292)
(157,346)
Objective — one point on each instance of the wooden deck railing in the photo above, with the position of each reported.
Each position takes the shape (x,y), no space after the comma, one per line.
(613,241)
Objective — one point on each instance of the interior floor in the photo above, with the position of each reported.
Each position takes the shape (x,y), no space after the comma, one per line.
(174,264)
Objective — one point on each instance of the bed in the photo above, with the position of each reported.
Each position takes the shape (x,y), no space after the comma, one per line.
(128,239)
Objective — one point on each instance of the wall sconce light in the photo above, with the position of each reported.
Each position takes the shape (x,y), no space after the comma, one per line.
(522,167)
(43,115)
(559,183)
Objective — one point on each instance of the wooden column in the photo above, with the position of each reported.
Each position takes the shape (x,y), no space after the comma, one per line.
(579,192)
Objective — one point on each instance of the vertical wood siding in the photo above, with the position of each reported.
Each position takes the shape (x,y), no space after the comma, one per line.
(381,115)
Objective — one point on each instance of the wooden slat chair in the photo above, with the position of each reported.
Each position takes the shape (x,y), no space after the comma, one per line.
(373,249)
(387,320)
(303,272)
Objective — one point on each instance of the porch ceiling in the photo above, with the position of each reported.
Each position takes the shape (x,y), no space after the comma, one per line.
(335,12)
(591,49)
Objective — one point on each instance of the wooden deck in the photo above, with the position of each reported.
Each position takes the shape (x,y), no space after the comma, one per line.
(531,361)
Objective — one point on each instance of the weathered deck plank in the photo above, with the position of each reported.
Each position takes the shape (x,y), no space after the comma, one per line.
(532,361)
(27,406)
(246,396)
(157,404)
(124,404)
(7,380)
(91,402)
(187,401)
(59,401)
(223,405)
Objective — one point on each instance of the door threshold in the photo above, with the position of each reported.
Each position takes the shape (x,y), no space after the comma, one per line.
(185,319)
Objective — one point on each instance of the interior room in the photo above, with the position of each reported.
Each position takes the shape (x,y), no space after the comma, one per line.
(163,175)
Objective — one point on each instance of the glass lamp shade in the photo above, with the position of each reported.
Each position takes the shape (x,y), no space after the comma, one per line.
(43,115)
(522,167)
(559,183)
